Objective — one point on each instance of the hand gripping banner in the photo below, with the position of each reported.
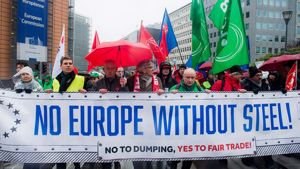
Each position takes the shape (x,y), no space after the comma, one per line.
(75,127)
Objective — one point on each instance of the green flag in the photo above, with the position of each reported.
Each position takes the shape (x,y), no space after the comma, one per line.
(232,46)
(200,42)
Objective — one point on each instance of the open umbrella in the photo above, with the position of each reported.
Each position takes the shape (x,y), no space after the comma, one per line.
(277,63)
(122,52)
(206,66)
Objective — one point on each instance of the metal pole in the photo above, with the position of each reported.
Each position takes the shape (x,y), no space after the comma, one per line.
(296,74)
(286,27)
(41,67)
(180,54)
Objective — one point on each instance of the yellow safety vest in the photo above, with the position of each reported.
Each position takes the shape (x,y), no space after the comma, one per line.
(75,86)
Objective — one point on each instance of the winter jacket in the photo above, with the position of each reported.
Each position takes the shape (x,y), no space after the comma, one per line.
(184,88)
(227,84)
(32,85)
(249,85)
(111,84)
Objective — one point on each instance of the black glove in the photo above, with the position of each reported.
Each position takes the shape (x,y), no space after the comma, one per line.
(19,90)
(28,90)
(255,91)
(284,91)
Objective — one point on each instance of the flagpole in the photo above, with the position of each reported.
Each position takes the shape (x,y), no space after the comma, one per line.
(139,32)
(296,74)
(180,54)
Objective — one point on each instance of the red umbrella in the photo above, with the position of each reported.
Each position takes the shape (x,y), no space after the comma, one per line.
(206,65)
(276,63)
(123,52)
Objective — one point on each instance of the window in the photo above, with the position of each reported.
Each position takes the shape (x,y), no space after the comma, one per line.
(215,34)
(264,26)
(283,39)
(257,50)
(298,18)
(270,26)
(265,2)
(271,2)
(258,25)
(276,38)
(264,50)
(258,13)
(298,30)
(264,37)
(259,2)
(284,3)
(270,50)
(258,38)
(270,38)
(247,14)
(277,3)
(298,6)
(265,13)
(271,14)
(247,2)
(276,50)
(282,27)
(246,26)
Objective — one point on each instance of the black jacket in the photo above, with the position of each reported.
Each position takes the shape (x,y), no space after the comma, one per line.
(249,85)
(112,85)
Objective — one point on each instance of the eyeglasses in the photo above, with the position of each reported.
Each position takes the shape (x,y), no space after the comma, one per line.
(21,90)
(258,75)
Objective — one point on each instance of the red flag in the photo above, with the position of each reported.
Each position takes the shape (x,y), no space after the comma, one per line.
(146,38)
(291,81)
(96,43)
(163,44)
(174,68)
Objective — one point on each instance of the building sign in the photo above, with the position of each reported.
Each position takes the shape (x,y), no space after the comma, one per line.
(32,30)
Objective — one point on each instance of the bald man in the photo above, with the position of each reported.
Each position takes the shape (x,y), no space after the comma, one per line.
(188,84)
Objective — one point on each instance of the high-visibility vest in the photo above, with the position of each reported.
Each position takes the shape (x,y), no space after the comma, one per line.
(75,86)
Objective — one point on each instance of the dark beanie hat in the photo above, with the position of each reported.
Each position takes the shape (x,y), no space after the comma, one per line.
(235,69)
(182,66)
(165,65)
(253,71)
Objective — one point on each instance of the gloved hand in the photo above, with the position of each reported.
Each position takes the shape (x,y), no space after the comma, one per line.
(284,91)
(255,91)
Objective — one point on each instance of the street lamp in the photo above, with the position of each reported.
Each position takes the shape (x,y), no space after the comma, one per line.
(287,15)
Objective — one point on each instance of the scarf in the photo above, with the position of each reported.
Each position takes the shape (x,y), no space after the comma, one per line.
(137,87)
(65,80)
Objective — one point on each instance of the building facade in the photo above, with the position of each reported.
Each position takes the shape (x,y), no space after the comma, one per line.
(57,17)
(81,41)
(264,26)
(154,30)
(298,20)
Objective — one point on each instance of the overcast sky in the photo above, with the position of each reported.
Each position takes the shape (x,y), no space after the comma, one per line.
(114,19)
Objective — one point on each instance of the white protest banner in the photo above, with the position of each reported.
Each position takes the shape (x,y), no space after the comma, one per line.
(72,127)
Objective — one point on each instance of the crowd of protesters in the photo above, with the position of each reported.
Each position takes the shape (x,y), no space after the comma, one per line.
(145,79)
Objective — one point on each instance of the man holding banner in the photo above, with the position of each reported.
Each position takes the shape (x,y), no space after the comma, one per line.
(188,84)
(144,80)
(67,80)
(111,83)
